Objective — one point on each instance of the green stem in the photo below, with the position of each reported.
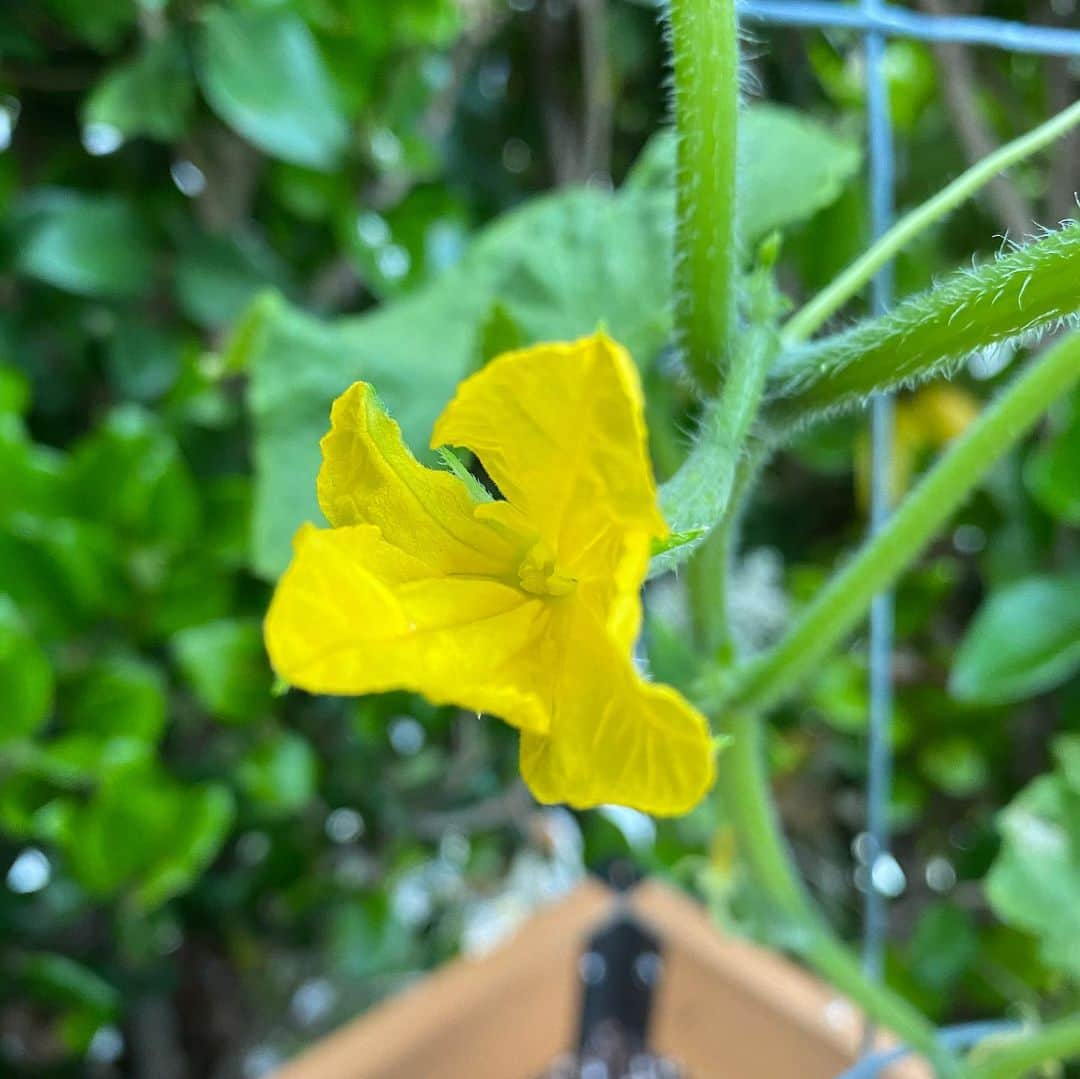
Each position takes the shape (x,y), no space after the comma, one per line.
(810,317)
(706,62)
(844,601)
(708,572)
(743,783)
(1055,1041)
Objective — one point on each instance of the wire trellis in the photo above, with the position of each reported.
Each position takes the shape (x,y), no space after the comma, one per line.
(877,21)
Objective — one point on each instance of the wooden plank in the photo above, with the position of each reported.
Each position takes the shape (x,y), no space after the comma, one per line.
(728,1008)
(724,1008)
(507,1015)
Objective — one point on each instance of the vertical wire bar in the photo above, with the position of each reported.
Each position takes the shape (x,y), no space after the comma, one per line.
(873,15)
(882,194)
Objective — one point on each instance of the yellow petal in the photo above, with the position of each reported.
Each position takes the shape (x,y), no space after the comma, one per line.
(615,738)
(368,476)
(560,428)
(354,614)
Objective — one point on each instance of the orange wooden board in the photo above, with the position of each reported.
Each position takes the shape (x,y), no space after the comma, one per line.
(724,1008)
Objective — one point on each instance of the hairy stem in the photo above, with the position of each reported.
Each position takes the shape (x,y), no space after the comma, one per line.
(843,603)
(1020,293)
(805,322)
(706,62)
(699,495)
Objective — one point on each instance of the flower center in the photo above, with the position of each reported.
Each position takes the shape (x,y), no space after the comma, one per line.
(541,575)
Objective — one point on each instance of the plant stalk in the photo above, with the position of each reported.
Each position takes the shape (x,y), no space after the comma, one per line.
(805,322)
(743,783)
(843,603)
(705,52)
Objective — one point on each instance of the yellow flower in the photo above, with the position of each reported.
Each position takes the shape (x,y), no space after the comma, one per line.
(525,608)
(926,420)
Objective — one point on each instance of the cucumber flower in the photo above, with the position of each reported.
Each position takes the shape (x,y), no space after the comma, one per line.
(525,607)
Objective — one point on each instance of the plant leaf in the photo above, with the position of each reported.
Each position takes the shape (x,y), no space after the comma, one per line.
(26,679)
(225,665)
(1035,879)
(1025,640)
(150,95)
(262,74)
(771,137)
(87,244)
(557,267)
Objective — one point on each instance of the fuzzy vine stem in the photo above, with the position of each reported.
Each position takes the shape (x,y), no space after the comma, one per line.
(704,45)
(812,315)
(839,607)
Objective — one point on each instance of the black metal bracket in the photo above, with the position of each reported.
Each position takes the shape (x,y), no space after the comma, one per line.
(619,972)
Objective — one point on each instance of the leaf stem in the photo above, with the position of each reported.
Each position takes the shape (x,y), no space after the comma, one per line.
(1011,1060)
(706,61)
(844,601)
(809,318)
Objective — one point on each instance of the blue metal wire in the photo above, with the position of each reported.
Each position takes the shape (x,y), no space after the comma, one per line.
(955,1038)
(900,22)
(879,780)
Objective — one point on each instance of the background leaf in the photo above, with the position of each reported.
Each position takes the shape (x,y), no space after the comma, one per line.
(92,245)
(225,664)
(262,73)
(1036,877)
(771,138)
(1025,639)
(26,678)
(149,95)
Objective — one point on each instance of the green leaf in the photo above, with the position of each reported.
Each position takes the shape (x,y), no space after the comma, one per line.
(225,665)
(1016,296)
(193,590)
(771,138)
(498,333)
(204,817)
(955,765)
(33,475)
(559,265)
(26,678)
(122,695)
(82,759)
(171,833)
(1035,879)
(101,24)
(944,945)
(1052,472)
(143,361)
(262,74)
(60,571)
(218,276)
(366,938)
(54,980)
(14,390)
(94,245)
(280,775)
(1024,640)
(676,540)
(130,476)
(150,95)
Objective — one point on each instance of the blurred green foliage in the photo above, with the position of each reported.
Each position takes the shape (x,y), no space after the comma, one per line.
(213,216)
